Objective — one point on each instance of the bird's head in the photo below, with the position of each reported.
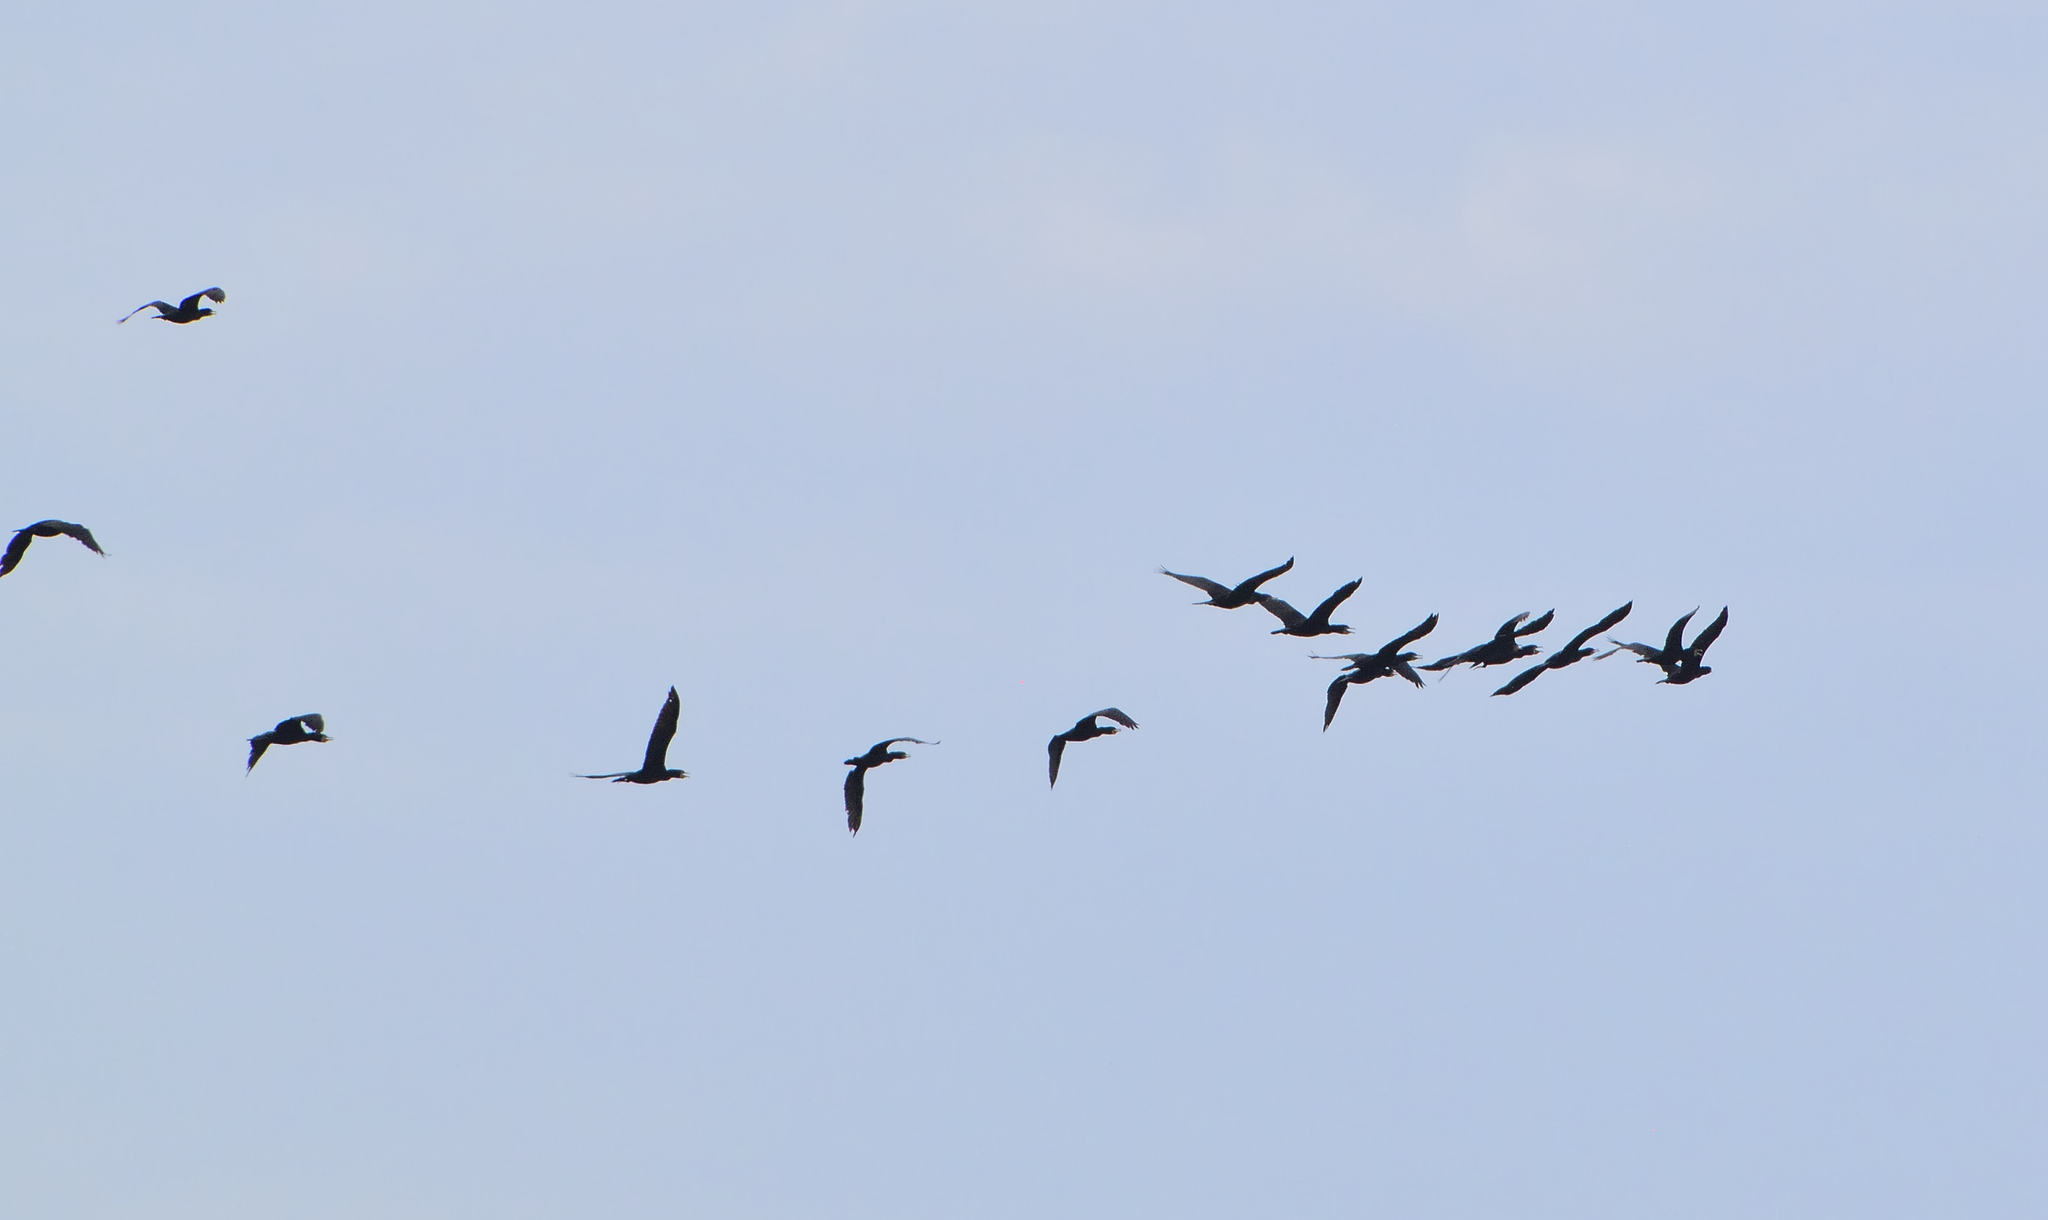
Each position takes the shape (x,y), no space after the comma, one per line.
(319,737)
(1527,650)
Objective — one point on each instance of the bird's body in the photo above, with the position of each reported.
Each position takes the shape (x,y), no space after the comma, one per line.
(1570,654)
(1365,667)
(1505,646)
(1681,663)
(856,780)
(1230,598)
(654,769)
(1294,622)
(1084,729)
(185,311)
(309,727)
(18,545)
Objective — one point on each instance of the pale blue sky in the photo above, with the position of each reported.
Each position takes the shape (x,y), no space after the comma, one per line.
(851,367)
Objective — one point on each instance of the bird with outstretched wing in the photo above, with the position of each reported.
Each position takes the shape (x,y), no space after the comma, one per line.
(1570,654)
(1229,597)
(17,546)
(1085,729)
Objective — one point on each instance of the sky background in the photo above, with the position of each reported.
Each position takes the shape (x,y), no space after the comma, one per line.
(852,367)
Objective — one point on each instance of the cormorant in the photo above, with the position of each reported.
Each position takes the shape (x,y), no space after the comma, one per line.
(1570,654)
(1681,664)
(1083,729)
(309,727)
(1499,650)
(1230,599)
(187,310)
(655,768)
(1366,666)
(18,546)
(1293,622)
(856,780)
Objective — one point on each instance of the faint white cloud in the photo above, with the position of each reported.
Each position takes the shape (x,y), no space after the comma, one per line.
(1530,236)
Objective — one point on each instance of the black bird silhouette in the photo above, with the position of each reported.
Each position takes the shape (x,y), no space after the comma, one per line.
(1084,729)
(1367,666)
(309,727)
(1502,648)
(1293,622)
(1681,663)
(1570,654)
(1227,598)
(856,780)
(187,310)
(18,545)
(655,768)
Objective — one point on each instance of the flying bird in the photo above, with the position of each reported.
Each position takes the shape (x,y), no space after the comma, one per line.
(1230,598)
(1570,654)
(655,769)
(309,727)
(856,780)
(1367,666)
(1680,662)
(18,546)
(1502,648)
(1293,622)
(187,310)
(1084,729)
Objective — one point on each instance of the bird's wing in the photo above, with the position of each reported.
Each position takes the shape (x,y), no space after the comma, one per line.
(1356,658)
(1288,615)
(71,529)
(1541,621)
(257,745)
(1117,716)
(1421,629)
(1335,697)
(161,308)
(212,294)
(856,788)
(664,732)
(1507,630)
(216,296)
(1706,638)
(1056,747)
(1579,640)
(1200,582)
(884,745)
(1522,679)
(314,722)
(1674,639)
(1645,651)
(1252,584)
(1446,662)
(16,548)
(1402,667)
(606,775)
(1334,600)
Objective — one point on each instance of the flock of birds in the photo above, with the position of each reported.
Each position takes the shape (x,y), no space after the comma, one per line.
(1680,662)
